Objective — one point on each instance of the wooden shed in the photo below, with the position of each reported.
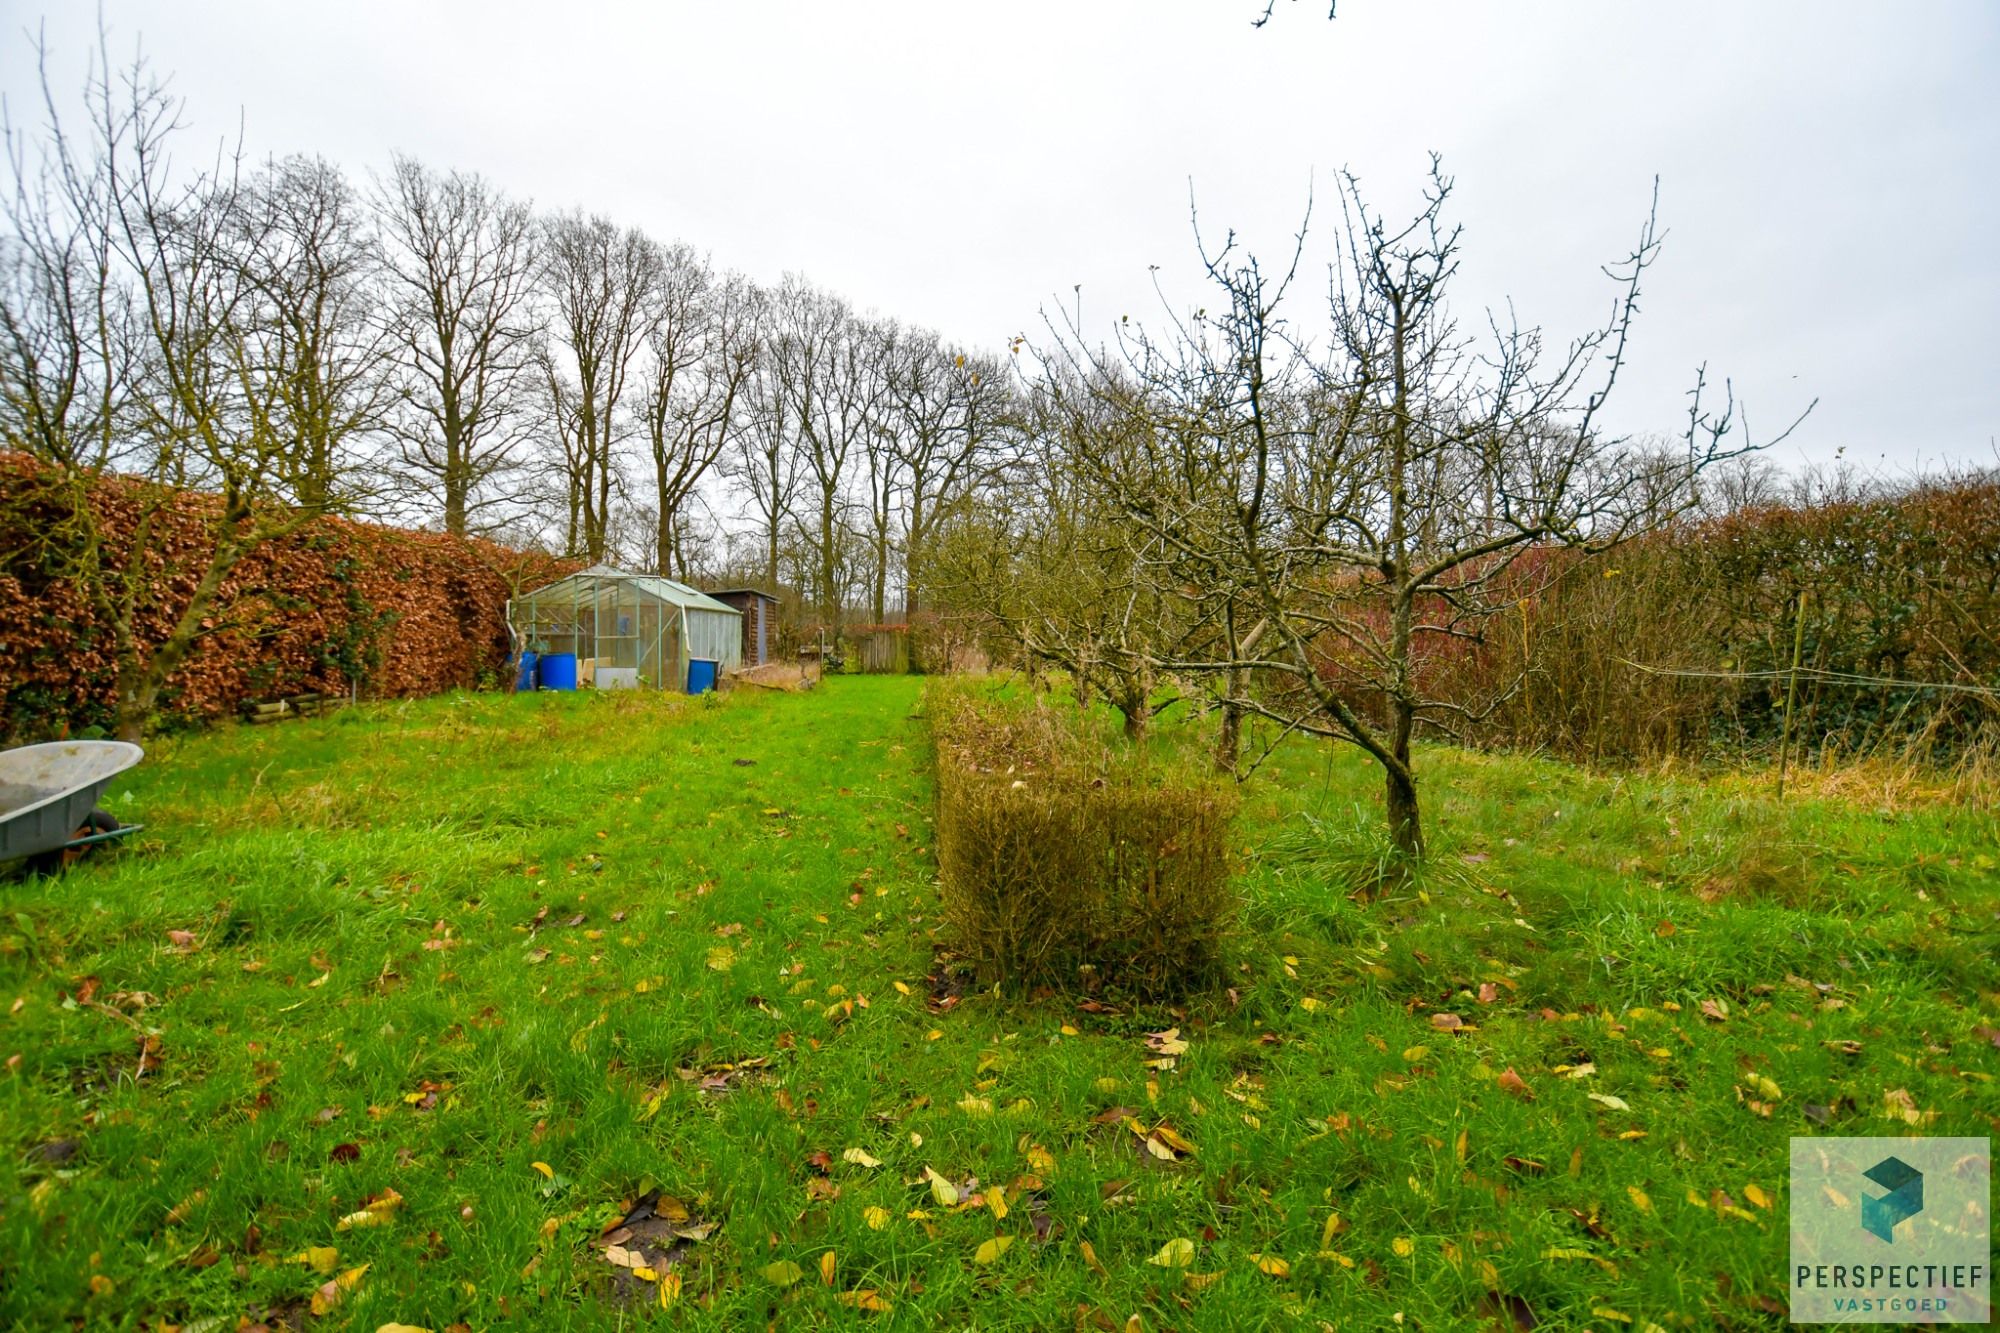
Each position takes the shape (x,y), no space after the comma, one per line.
(760,621)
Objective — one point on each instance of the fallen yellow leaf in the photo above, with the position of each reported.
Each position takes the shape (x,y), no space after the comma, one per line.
(782,1272)
(827,1265)
(332,1293)
(1176,1253)
(378,1213)
(322,1259)
(860,1158)
(1335,1224)
(942,1190)
(1271,1264)
(878,1218)
(991,1250)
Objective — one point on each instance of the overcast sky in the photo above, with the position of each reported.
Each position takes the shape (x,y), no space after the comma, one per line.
(1828,170)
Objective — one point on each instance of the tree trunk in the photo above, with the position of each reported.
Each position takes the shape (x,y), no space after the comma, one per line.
(1405,822)
(829,575)
(665,548)
(454,503)
(1229,743)
(1135,701)
(911,561)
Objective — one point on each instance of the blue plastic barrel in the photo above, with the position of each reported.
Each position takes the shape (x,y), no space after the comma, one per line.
(558,671)
(525,681)
(701,675)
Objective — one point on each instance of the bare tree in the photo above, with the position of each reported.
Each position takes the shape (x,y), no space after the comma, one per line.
(602,287)
(1334,512)
(885,474)
(460,258)
(63,315)
(946,409)
(1046,555)
(138,316)
(317,338)
(766,462)
(703,351)
(823,368)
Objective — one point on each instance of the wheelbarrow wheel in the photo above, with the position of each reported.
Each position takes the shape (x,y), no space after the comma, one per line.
(49,864)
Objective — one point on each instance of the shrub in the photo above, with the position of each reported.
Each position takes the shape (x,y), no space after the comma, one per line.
(1063,861)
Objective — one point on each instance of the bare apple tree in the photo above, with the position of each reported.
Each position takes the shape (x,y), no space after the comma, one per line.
(1333,509)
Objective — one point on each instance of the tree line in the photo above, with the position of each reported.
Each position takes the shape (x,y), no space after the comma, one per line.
(419,347)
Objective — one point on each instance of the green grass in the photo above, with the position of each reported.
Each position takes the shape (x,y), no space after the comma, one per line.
(386,953)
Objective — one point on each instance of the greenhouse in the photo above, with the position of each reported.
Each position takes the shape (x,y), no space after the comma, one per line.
(605,628)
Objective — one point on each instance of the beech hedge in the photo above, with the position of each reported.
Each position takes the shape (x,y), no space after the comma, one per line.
(332,608)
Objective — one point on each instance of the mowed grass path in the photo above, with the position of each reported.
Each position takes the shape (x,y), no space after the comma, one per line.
(522,961)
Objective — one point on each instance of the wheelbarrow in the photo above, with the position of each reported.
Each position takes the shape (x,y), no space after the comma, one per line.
(48,800)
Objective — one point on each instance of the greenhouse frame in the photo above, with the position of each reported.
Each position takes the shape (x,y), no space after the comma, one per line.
(629,630)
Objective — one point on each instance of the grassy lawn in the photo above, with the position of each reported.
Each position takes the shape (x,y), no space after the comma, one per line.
(406,1007)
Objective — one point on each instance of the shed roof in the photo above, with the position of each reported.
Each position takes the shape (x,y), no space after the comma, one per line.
(743,592)
(585,581)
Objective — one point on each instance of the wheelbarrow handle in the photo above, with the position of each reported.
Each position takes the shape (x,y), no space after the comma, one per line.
(109,835)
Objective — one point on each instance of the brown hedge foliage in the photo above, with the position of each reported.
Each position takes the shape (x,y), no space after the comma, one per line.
(1056,856)
(1902,585)
(338,604)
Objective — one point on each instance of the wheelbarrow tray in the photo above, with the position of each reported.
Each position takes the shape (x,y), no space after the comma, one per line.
(48,791)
